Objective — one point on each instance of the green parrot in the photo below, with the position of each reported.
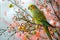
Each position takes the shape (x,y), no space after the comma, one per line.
(39,18)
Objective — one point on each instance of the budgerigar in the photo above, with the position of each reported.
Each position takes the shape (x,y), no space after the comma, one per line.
(40,18)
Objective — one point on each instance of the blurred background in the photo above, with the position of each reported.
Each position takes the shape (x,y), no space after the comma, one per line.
(7,14)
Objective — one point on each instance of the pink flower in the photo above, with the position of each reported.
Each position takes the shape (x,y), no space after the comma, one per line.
(52,22)
(33,37)
(42,32)
(58,24)
(16,23)
(23,37)
(5,13)
(58,1)
(9,31)
(36,36)
(11,26)
(41,7)
(18,35)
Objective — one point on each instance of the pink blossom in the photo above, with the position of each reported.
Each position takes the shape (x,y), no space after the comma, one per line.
(18,35)
(5,13)
(33,37)
(41,7)
(58,1)
(23,37)
(52,22)
(14,17)
(16,23)
(36,36)
(11,26)
(58,24)
(42,32)
(9,31)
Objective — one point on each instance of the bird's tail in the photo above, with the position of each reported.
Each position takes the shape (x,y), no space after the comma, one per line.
(48,33)
(46,25)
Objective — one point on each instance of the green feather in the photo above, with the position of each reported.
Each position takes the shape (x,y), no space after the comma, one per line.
(46,25)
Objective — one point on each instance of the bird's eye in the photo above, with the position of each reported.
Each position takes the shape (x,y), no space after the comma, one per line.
(31,6)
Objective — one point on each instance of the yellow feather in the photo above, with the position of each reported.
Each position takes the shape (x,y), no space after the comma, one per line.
(29,5)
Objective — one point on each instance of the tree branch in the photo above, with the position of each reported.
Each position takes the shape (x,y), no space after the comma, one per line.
(2,31)
(18,6)
(53,9)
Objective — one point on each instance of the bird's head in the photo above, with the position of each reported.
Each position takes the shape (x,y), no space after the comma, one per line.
(31,7)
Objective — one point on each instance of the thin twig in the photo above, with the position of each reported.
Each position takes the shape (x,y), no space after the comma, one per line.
(11,35)
(18,6)
(54,10)
(28,21)
(2,31)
